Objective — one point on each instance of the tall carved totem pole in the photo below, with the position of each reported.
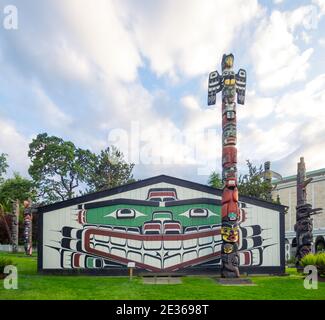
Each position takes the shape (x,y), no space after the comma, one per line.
(304,211)
(230,84)
(15,225)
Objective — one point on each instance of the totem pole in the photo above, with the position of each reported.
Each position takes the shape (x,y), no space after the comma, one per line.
(230,84)
(267,176)
(268,179)
(304,211)
(28,227)
(15,225)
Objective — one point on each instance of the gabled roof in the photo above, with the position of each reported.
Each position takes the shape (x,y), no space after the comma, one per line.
(150,181)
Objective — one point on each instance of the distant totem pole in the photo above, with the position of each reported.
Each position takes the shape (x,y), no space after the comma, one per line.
(304,211)
(267,176)
(28,227)
(230,84)
(15,225)
(268,179)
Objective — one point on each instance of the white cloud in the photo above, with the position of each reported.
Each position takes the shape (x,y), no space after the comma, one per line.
(190,102)
(321,42)
(50,112)
(301,16)
(97,30)
(256,107)
(306,104)
(321,5)
(87,56)
(292,127)
(278,61)
(15,145)
(187,37)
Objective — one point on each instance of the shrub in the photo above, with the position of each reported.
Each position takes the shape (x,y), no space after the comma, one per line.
(5,262)
(317,260)
(309,259)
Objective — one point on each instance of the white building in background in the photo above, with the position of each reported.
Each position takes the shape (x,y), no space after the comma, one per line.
(286,190)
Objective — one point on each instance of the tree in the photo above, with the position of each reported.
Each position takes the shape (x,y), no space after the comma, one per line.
(16,188)
(253,184)
(57,167)
(60,169)
(108,169)
(215,180)
(3,165)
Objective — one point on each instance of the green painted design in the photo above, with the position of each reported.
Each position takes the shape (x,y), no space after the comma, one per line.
(90,262)
(107,215)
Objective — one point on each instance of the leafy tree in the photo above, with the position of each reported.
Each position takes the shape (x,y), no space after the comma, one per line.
(16,188)
(253,184)
(60,169)
(215,180)
(108,169)
(3,165)
(57,167)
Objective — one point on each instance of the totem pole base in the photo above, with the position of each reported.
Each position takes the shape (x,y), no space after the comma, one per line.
(235,282)
(230,274)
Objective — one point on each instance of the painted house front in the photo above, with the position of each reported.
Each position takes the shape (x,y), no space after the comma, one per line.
(163,225)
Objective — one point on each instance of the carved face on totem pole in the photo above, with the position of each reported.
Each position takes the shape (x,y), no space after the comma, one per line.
(230,232)
(304,225)
(227,61)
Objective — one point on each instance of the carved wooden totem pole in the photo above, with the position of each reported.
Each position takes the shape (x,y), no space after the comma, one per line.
(304,211)
(230,84)
(267,176)
(15,225)
(28,227)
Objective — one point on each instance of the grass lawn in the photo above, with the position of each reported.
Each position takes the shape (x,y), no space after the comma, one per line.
(39,287)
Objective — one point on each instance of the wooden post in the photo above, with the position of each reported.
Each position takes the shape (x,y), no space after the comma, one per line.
(131,265)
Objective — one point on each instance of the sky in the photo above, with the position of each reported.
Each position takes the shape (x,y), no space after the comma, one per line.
(134,74)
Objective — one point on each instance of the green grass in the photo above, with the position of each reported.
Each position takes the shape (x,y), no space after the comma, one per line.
(39,287)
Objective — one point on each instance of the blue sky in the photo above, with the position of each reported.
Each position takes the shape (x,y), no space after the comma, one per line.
(134,73)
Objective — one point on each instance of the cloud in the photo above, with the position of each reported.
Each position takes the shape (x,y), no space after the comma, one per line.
(185,38)
(73,70)
(321,42)
(278,61)
(321,6)
(99,32)
(49,111)
(256,107)
(305,106)
(15,145)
